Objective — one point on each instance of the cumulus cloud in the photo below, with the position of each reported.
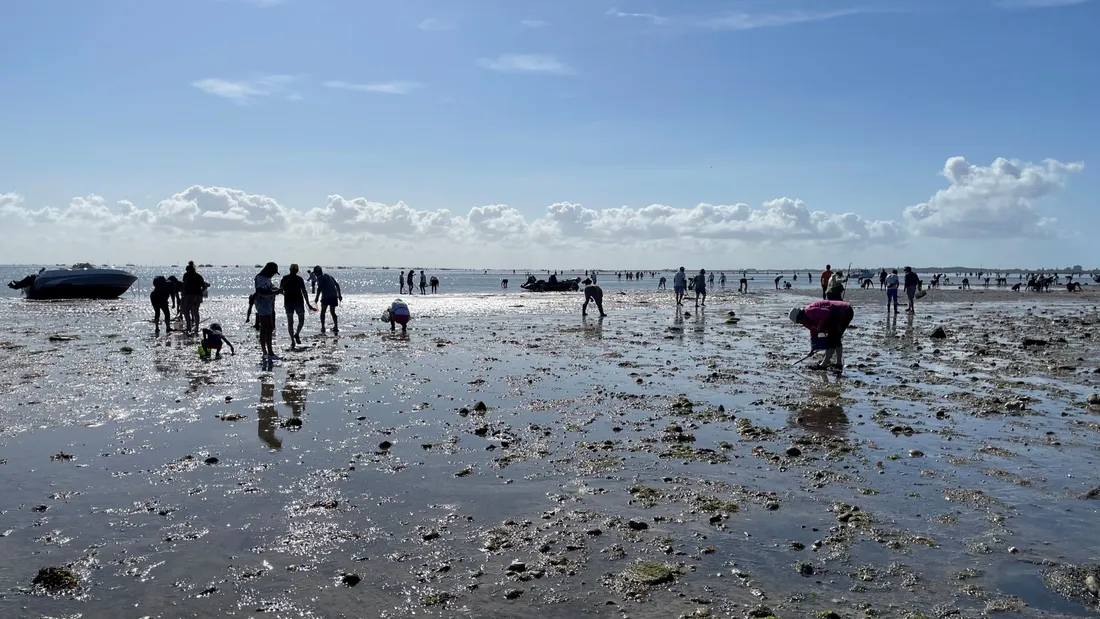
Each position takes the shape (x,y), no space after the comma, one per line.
(242,92)
(995,201)
(526,63)
(985,202)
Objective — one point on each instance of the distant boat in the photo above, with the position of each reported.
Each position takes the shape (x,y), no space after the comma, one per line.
(83,281)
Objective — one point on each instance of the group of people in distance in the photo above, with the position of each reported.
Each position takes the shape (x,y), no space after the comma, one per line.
(324,287)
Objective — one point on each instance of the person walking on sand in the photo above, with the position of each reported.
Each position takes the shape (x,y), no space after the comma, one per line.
(825,276)
(159,298)
(328,291)
(193,287)
(412,274)
(831,318)
(701,288)
(892,291)
(175,289)
(266,291)
(423,283)
(295,300)
(313,280)
(679,285)
(398,314)
(592,293)
(911,283)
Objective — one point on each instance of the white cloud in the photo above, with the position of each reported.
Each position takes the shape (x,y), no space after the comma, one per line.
(996,201)
(242,92)
(526,63)
(653,18)
(533,23)
(389,88)
(744,20)
(986,203)
(435,24)
(1035,4)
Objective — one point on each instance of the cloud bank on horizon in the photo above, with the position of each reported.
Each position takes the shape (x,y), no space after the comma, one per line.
(998,201)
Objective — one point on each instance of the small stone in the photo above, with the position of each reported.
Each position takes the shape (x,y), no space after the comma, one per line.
(480,407)
(211,460)
(1013,550)
(916,453)
(637,525)
(463,411)
(513,594)
(56,579)
(429,536)
(516,566)
(350,580)
(939,334)
(1094,399)
(794,452)
(481,430)
(805,569)
(384,445)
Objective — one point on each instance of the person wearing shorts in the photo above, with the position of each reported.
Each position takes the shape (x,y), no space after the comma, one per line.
(911,284)
(891,283)
(594,294)
(701,287)
(295,300)
(831,318)
(328,292)
(399,315)
(680,285)
(265,309)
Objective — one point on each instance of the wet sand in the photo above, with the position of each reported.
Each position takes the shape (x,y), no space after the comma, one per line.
(652,464)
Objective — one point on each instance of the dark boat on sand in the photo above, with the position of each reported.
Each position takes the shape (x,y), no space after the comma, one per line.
(564,285)
(83,281)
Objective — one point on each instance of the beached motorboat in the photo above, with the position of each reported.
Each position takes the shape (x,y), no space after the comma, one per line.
(562,285)
(83,281)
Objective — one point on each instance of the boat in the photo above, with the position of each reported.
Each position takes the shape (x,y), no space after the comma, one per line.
(82,281)
(864,274)
(562,285)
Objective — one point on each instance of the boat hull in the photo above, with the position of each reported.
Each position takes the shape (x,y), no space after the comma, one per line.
(76,284)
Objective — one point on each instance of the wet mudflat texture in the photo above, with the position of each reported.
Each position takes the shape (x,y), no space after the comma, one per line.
(510,459)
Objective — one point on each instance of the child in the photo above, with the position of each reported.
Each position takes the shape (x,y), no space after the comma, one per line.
(212,339)
(248,315)
(398,314)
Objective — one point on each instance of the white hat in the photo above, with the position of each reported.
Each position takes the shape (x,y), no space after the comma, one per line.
(794,314)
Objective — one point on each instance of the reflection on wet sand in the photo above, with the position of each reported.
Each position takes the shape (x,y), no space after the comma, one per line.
(294,396)
(267,415)
(826,420)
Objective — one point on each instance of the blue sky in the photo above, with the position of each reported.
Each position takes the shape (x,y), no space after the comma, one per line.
(850,107)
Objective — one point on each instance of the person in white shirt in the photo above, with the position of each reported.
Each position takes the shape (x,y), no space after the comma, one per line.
(892,291)
(680,285)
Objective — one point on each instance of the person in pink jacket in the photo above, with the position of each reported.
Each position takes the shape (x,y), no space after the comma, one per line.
(831,318)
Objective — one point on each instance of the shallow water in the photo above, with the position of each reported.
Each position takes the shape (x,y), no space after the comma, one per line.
(577,417)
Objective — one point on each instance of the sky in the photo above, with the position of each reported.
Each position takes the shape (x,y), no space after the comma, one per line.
(566,134)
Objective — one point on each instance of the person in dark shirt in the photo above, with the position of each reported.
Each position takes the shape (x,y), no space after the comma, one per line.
(162,291)
(193,288)
(328,292)
(911,284)
(594,294)
(295,300)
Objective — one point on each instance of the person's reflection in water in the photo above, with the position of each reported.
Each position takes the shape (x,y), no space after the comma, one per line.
(268,416)
(825,420)
(593,329)
(294,396)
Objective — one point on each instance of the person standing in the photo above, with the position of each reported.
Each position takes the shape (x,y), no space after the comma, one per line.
(295,300)
(400,281)
(412,274)
(831,318)
(159,298)
(882,277)
(313,280)
(911,283)
(892,290)
(701,288)
(825,276)
(423,283)
(679,285)
(835,290)
(265,309)
(193,288)
(592,293)
(722,280)
(328,291)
